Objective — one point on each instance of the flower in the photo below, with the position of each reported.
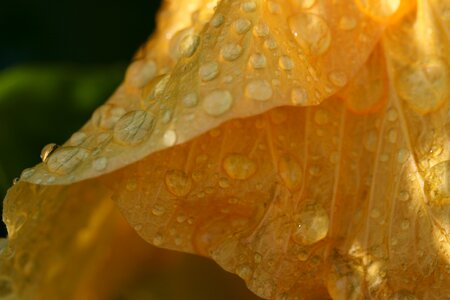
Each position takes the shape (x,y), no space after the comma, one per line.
(303,145)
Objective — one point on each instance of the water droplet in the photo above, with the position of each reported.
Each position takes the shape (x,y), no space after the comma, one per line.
(347,23)
(209,71)
(375,213)
(100,164)
(140,73)
(402,155)
(259,89)
(178,183)
(27,173)
(261,30)
(311,225)
(258,61)
(425,86)
(224,183)
(371,141)
(392,136)
(66,159)
(258,258)
(158,240)
(217,20)
(290,172)
(405,224)
(392,115)
(270,44)
(437,183)
(299,96)
(188,45)
(190,100)
(286,63)
(217,102)
(248,6)
(169,138)
(311,32)
(242,25)
(244,271)
(239,167)
(158,210)
(77,138)
(231,51)
(381,8)
(106,116)
(47,151)
(403,196)
(133,127)
(338,78)
(321,117)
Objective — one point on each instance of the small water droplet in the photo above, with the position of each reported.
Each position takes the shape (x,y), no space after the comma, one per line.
(140,72)
(299,96)
(242,25)
(224,183)
(261,30)
(286,63)
(239,167)
(217,102)
(270,44)
(403,155)
(338,78)
(158,240)
(134,127)
(425,86)
(311,32)
(47,151)
(392,115)
(106,116)
(158,210)
(248,6)
(259,89)
(209,71)
(371,141)
(311,225)
(375,213)
(258,61)
(244,271)
(405,224)
(188,45)
(190,100)
(178,183)
(66,159)
(231,51)
(392,136)
(217,20)
(290,172)
(306,4)
(100,164)
(169,138)
(77,138)
(321,117)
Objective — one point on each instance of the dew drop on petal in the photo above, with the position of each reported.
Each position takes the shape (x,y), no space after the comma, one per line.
(217,20)
(238,166)
(425,86)
(140,73)
(190,100)
(311,225)
(188,45)
(242,25)
(290,172)
(286,63)
(217,102)
(259,89)
(47,150)
(258,61)
(100,163)
(209,71)
(231,51)
(299,96)
(134,127)
(311,32)
(66,159)
(178,183)
(169,138)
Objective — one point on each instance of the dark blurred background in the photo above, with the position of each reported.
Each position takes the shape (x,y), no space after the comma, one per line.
(58,61)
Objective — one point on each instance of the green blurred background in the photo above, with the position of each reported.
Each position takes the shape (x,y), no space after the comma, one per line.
(58,61)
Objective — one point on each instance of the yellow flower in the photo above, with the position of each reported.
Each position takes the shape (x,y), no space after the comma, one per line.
(301,144)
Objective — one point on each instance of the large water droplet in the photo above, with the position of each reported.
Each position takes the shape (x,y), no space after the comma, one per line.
(311,32)
(209,71)
(290,172)
(188,45)
(425,86)
(258,61)
(231,51)
(311,225)
(178,183)
(217,102)
(242,25)
(238,166)
(379,8)
(437,183)
(47,151)
(133,127)
(66,159)
(259,89)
